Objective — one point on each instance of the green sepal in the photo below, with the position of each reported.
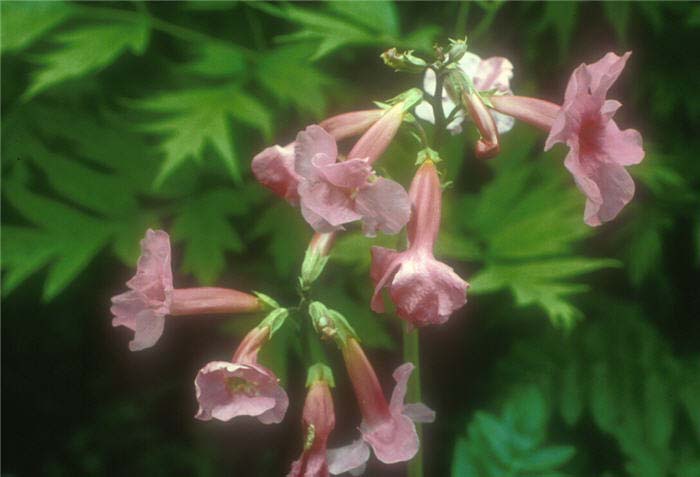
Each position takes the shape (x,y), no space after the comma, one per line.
(268,303)
(409,98)
(331,324)
(320,372)
(274,320)
(457,50)
(427,154)
(311,268)
(403,61)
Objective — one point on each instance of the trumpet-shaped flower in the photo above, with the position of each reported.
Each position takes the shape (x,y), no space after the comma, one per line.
(274,166)
(152,297)
(387,427)
(318,420)
(599,150)
(336,193)
(241,387)
(492,73)
(424,290)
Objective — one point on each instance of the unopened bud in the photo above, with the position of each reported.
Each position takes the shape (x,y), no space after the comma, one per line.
(457,50)
(403,61)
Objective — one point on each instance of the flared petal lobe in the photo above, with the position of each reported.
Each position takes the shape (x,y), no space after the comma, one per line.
(598,149)
(274,169)
(226,390)
(144,307)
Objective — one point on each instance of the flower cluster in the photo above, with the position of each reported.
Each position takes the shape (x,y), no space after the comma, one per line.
(333,190)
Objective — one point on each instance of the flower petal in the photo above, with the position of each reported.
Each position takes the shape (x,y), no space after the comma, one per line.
(426,291)
(350,458)
(419,412)
(312,141)
(401,375)
(148,328)
(154,277)
(384,205)
(274,169)
(332,204)
(350,174)
(394,440)
(494,73)
(622,147)
(384,266)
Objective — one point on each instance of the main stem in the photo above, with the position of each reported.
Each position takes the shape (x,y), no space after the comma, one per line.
(411,354)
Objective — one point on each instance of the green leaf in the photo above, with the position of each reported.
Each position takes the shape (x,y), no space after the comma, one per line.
(197,117)
(375,15)
(306,92)
(511,443)
(560,17)
(216,60)
(203,223)
(25,22)
(87,49)
(287,234)
(65,238)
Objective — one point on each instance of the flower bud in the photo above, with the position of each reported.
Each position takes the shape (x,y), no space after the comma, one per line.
(403,61)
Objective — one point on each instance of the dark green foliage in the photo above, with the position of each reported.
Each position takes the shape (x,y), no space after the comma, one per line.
(117,117)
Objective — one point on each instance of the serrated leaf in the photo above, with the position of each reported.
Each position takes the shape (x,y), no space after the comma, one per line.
(306,92)
(87,49)
(204,225)
(510,443)
(216,60)
(197,117)
(287,234)
(25,22)
(75,239)
(375,15)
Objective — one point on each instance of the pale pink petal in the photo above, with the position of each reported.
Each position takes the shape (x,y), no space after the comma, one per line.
(312,141)
(469,63)
(351,458)
(610,107)
(616,188)
(350,174)
(226,390)
(148,328)
(332,204)
(504,123)
(394,440)
(401,375)
(427,292)
(533,111)
(604,72)
(494,73)
(419,412)
(622,147)
(274,169)
(318,223)
(384,205)
(350,124)
(154,276)
(384,265)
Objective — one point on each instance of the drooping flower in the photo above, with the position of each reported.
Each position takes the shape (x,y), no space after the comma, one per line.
(387,427)
(492,73)
(336,193)
(152,297)
(598,149)
(274,166)
(424,290)
(241,387)
(487,146)
(318,421)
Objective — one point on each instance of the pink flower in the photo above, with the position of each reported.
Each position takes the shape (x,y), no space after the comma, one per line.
(424,290)
(387,427)
(487,146)
(151,296)
(241,387)
(492,73)
(336,193)
(318,421)
(599,150)
(274,166)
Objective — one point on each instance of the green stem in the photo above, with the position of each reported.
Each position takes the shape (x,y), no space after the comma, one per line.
(411,353)
(438,113)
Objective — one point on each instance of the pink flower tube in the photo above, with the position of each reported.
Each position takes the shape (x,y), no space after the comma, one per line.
(274,166)
(387,427)
(318,420)
(424,290)
(241,387)
(598,149)
(152,297)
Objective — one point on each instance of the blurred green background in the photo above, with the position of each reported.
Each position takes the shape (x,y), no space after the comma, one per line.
(577,353)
